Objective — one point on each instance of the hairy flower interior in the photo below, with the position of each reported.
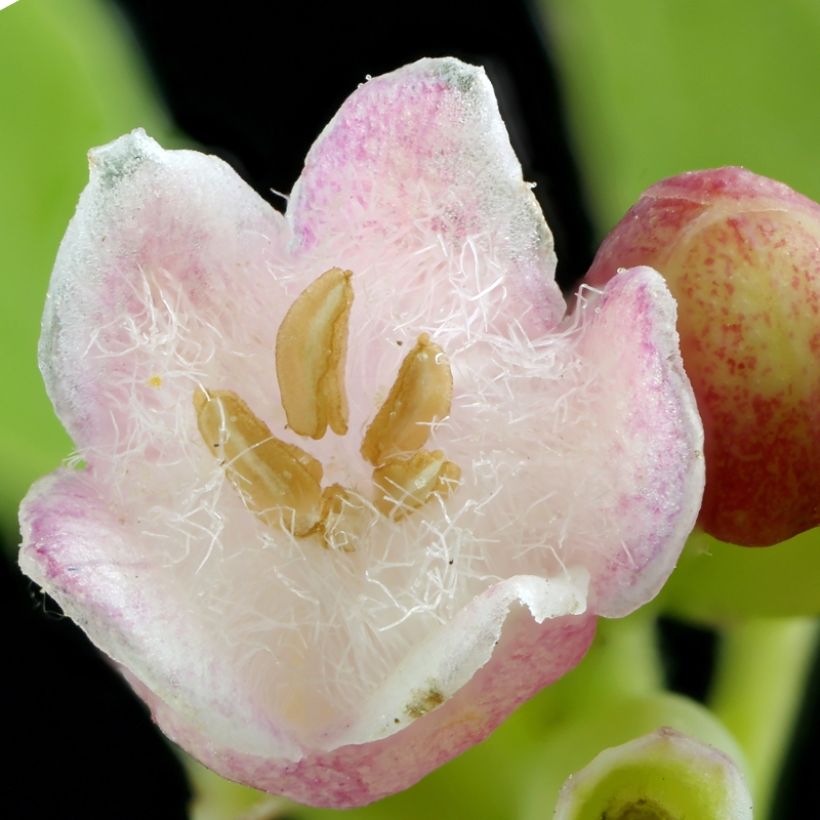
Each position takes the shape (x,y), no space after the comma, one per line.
(281,483)
(308,635)
(310,642)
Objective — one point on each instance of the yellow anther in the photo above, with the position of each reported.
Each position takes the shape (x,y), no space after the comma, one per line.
(343,518)
(279,482)
(420,395)
(405,483)
(311,347)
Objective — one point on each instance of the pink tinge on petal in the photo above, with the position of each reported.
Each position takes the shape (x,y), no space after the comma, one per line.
(419,157)
(153,632)
(651,449)
(169,255)
(61,520)
(528,657)
(137,605)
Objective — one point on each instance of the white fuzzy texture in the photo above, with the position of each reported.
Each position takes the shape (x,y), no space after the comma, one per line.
(174,276)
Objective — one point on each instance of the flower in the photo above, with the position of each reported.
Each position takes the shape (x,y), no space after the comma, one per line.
(663,774)
(741,253)
(331,615)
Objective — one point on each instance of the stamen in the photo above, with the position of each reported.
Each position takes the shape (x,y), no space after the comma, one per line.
(405,483)
(311,347)
(420,395)
(343,518)
(279,482)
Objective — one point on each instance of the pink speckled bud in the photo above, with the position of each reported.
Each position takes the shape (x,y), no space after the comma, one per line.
(339,670)
(741,253)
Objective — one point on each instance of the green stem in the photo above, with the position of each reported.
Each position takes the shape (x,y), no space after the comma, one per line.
(759,687)
(623,660)
(628,654)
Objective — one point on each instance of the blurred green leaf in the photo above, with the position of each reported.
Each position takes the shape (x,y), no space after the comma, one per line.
(717,583)
(69,80)
(657,87)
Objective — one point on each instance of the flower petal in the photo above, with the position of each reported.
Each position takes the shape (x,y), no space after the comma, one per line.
(645,495)
(419,160)
(136,609)
(159,267)
(451,692)
(528,657)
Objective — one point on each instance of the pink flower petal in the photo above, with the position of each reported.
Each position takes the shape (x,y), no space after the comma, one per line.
(161,243)
(528,657)
(507,644)
(80,549)
(651,447)
(419,160)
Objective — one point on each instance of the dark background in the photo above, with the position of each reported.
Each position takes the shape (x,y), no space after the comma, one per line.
(256,88)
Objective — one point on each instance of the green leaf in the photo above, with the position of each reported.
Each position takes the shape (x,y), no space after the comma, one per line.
(657,87)
(717,583)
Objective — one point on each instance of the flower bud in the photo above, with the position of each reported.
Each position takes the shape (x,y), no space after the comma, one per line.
(662,775)
(741,253)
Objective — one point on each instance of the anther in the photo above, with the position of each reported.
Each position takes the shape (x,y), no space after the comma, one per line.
(311,348)
(421,394)
(405,483)
(279,482)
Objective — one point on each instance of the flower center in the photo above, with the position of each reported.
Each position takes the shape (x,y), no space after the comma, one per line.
(280,483)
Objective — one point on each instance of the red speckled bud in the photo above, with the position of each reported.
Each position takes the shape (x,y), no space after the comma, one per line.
(741,253)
